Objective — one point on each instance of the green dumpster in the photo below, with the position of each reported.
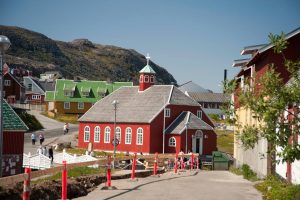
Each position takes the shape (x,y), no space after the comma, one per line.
(220,161)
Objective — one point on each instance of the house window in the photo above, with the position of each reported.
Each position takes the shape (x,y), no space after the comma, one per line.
(97,134)
(6,82)
(141,78)
(107,135)
(128,136)
(172,142)
(86,134)
(85,94)
(199,114)
(66,105)
(167,112)
(30,87)
(152,79)
(139,136)
(36,97)
(80,105)
(146,78)
(118,134)
(68,93)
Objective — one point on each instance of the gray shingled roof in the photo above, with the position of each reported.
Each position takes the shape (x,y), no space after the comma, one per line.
(178,125)
(192,87)
(135,106)
(208,97)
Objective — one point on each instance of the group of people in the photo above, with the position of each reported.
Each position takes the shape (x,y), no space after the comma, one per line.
(41,138)
(43,151)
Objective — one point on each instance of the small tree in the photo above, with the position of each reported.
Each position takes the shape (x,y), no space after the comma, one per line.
(268,98)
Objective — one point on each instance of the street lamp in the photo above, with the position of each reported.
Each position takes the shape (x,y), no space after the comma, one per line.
(4,45)
(115,103)
(186,135)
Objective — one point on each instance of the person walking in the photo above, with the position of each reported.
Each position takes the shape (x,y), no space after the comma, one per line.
(42,138)
(65,128)
(51,154)
(33,138)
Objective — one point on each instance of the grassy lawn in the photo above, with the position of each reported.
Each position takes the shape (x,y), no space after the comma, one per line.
(75,172)
(225,141)
(67,118)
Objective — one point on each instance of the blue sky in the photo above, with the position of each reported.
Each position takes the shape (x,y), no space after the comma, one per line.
(193,39)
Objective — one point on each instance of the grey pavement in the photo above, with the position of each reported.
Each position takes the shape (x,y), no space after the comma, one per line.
(204,185)
(53,133)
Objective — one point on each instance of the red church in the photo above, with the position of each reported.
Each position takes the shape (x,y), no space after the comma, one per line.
(142,114)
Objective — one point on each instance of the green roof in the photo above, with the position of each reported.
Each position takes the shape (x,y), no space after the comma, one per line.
(93,87)
(147,69)
(11,121)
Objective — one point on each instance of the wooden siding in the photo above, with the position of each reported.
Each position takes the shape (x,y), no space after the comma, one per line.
(59,106)
(15,138)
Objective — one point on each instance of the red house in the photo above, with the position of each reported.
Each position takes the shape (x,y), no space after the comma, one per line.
(13,90)
(13,142)
(142,114)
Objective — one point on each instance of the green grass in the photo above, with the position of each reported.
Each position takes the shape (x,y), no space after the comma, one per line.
(245,171)
(273,188)
(67,118)
(75,172)
(225,141)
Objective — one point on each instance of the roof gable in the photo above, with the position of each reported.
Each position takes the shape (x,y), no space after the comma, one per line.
(147,69)
(192,121)
(192,87)
(11,121)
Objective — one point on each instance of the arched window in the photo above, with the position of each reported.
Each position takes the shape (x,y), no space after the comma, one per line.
(86,134)
(139,136)
(128,136)
(172,142)
(146,79)
(107,135)
(141,78)
(152,79)
(97,134)
(118,134)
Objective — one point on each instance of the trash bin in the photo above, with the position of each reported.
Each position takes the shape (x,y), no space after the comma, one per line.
(220,161)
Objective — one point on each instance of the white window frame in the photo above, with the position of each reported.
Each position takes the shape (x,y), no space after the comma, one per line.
(139,136)
(172,142)
(67,103)
(97,134)
(68,93)
(7,82)
(152,79)
(36,97)
(86,135)
(107,135)
(141,78)
(128,135)
(167,112)
(146,79)
(199,114)
(118,134)
(80,105)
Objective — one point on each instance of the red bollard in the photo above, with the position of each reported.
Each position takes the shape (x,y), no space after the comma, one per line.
(192,161)
(64,181)
(133,167)
(181,163)
(108,176)
(155,165)
(26,189)
(176,163)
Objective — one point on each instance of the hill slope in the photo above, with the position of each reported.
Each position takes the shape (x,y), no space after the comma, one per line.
(81,57)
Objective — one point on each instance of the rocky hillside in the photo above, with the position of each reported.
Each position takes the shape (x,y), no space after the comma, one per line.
(81,57)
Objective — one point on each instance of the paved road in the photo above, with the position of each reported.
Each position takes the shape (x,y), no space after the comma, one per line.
(202,185)
(53,132)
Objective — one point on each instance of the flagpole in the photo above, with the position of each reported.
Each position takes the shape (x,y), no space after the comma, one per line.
(164,125)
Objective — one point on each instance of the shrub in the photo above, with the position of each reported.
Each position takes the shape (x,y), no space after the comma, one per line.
(31,122)
(248,173)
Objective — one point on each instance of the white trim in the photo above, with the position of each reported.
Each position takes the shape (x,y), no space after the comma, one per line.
(120,134)
(65,105)
(97,141)
(137,136)
(169,142)
(151,79)
(146,76)
(105,134)
(126,135)
(7,82)
(85,132)
(80,108)
(167,112)
(199,111)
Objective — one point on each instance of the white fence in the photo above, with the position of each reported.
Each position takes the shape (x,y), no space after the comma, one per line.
(40,161)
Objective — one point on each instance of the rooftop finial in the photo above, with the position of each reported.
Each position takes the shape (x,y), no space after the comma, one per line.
(148,58)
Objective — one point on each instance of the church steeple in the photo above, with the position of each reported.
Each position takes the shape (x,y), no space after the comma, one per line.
(147,76)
